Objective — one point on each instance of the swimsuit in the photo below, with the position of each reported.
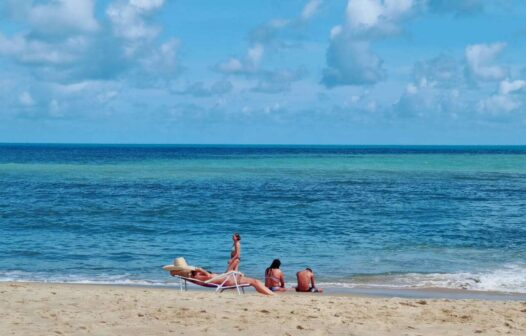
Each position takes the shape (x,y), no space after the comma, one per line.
(232,250)
(273,278)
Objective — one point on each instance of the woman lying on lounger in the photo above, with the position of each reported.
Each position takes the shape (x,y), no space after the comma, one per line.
(202,275)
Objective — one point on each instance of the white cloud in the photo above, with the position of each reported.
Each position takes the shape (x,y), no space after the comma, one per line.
(63,17)
(443,70)
(310,9)
(233,65)
(350,60)
(163,60)
(351,63)
(33,51)
(498,104)
(480,59)
(248,65)
(262,38)
(129,19)
(505,100)
(199,89)
(507,87)
(25,99)
(376,16)
(147,5)
(255,54)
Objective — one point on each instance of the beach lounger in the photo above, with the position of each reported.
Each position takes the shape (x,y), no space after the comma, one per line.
(232,275)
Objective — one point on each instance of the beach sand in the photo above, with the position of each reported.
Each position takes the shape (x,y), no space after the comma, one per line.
(64,309)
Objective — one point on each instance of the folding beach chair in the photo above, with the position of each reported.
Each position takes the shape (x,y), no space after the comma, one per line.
(232,275)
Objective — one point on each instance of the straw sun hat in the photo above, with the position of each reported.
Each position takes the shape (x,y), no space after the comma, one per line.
(179,265)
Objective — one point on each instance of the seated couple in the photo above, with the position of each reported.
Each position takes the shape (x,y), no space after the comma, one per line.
(181,268)
(275,281)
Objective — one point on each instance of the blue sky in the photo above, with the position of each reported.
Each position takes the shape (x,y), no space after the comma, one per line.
(309,71)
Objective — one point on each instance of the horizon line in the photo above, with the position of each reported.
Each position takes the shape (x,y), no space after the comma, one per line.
(256,144)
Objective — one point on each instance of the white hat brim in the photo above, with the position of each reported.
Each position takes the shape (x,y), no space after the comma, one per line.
(178,268)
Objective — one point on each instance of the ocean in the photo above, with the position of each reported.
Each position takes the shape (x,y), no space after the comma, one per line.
(359,216)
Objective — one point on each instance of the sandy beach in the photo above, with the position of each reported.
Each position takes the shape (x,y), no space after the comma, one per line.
(64,309)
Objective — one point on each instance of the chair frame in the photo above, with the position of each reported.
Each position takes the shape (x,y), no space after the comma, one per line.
(219,288)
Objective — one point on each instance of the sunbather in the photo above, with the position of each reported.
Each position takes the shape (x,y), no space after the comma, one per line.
(307,282)
(274,279)
(203,275)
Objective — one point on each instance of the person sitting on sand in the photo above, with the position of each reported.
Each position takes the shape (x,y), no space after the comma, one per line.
(307,282)
(274,279)
(235,253)
(203,275)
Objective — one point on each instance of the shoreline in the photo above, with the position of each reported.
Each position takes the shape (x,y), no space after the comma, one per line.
(361,291)
(86,309)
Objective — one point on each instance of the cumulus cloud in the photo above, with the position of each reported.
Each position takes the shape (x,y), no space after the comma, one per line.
(74,47)
(130,18)
(376,16)
(350,59)
(247,65)
(443,70)
(278,80)
(351,63)
(261,39)
(481,61)
(25,99)
(506,100)
(58,17)
(506,87)
(310,9)
(425,100)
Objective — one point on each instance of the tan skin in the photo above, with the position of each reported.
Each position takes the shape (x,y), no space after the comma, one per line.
(235,255)
(203,275)
(306,282)
(274,278)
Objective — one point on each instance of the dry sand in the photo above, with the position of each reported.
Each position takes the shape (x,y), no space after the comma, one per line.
(59,309)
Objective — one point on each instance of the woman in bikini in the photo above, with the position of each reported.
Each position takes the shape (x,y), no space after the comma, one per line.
(274,279)
(235,253)
(203,275)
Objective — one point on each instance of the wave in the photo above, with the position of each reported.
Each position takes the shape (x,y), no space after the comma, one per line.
(102,279)
(508,279)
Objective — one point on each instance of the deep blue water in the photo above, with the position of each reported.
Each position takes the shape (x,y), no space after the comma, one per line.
(394,216)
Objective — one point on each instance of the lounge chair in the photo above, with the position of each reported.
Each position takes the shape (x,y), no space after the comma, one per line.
(232,275)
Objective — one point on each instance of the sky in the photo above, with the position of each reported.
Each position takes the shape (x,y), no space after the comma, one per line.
(263,72)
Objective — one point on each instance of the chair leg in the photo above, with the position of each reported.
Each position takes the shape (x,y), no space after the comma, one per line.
(237,285)
(221,286)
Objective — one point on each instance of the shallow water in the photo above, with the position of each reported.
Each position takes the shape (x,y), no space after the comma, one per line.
(400,217)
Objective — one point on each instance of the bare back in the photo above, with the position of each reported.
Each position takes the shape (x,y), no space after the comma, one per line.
(274,278)
(304,281)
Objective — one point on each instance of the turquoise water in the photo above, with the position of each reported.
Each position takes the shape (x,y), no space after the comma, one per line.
(450,217)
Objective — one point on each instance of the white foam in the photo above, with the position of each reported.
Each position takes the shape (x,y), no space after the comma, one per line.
(508,279)
(103,279)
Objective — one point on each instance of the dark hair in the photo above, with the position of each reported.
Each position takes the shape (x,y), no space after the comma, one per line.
(308,269)
(276,263)
(237,236)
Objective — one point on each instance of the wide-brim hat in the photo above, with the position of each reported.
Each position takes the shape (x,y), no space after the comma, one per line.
(179,264)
